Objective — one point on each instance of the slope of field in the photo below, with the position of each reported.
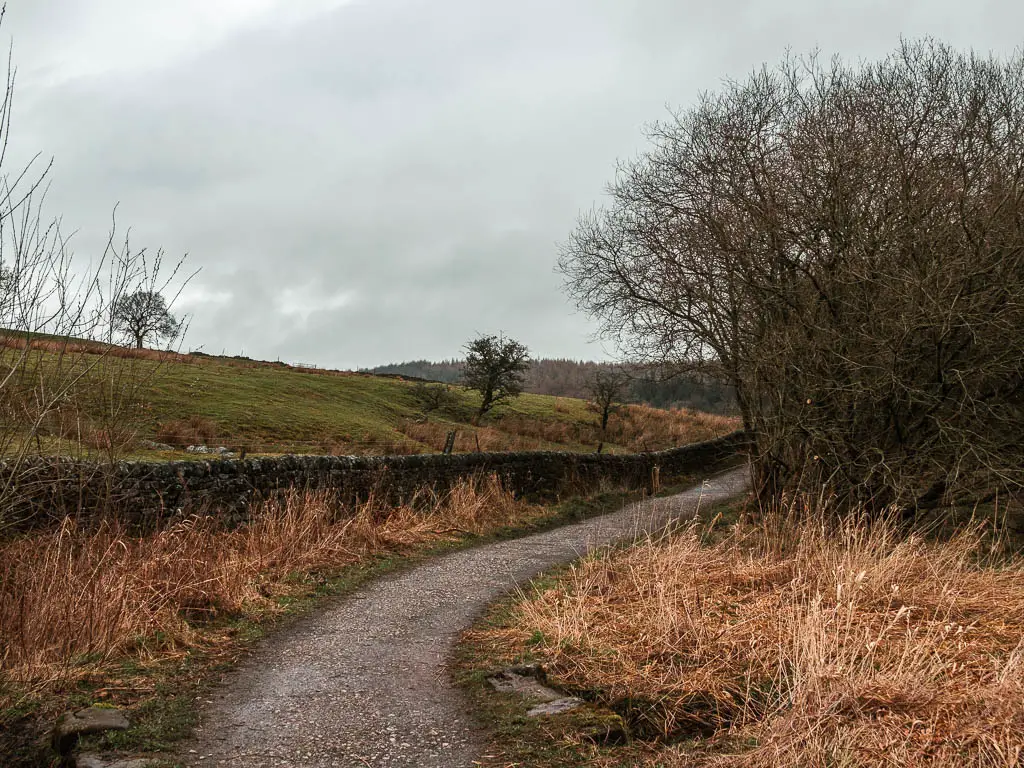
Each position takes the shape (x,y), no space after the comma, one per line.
(263,407)
(268,408)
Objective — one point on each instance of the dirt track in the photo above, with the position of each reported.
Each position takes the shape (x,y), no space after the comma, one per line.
(364,683)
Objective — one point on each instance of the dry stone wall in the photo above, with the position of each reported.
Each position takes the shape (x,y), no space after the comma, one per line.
(149,494)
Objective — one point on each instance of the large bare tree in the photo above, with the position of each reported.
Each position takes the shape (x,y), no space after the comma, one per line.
(846,245)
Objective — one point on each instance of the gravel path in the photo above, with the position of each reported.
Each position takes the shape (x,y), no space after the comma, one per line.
(363,682)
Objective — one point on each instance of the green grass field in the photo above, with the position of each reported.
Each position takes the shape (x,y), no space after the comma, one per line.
(267,408)
(273,406)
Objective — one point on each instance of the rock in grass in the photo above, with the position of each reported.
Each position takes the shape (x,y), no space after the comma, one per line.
(151,445)
(95,761)
(601,726)
(526,681)
(85,721)
(556,707)
(596,724)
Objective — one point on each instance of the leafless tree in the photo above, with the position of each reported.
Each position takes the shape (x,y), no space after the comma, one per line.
(62,391)
(846,246)
(606,392)
(144,315)
(495,367)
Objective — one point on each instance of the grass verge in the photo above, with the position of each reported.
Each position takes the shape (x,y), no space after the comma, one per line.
(791,639)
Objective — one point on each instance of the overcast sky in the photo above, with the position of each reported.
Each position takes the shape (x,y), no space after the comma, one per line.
(368,181)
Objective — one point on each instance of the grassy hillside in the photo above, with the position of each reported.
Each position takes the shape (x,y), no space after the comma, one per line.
(269,408)
(265,407)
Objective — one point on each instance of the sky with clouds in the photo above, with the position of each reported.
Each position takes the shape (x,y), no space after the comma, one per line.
(368,181)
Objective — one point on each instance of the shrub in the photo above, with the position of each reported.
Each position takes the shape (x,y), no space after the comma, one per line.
(844,245)
(195,430)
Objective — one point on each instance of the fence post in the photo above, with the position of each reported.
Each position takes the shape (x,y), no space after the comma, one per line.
(449,443)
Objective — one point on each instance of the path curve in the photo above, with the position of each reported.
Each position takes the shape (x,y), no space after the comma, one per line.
(363,682)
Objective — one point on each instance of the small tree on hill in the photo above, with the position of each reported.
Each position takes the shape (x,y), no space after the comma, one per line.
(606,392)
(496,368)
(143,315)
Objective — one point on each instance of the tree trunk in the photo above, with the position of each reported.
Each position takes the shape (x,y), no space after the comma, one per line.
(485,403)
(768,478)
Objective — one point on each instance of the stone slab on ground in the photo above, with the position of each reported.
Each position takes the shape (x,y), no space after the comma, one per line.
(555,707)
(523,682)
(99,761)
(74,725)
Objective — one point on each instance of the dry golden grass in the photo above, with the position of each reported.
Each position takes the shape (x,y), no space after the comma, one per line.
(59,346)
(195,430)
(433,434)
(635,428)
(70,600)
(641,428)
(798,642)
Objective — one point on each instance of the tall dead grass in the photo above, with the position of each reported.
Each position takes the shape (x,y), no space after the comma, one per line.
(642,428)
(72,598)
(635,428)
(434,434)
(801,642)
(60,346)
(195,430)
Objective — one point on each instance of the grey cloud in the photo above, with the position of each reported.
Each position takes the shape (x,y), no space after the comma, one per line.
(419,158)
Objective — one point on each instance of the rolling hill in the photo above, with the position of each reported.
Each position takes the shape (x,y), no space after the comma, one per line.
(268,408)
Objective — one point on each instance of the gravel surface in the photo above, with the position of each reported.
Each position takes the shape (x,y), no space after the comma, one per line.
(363,682)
